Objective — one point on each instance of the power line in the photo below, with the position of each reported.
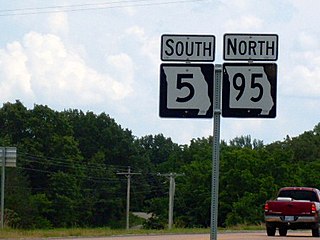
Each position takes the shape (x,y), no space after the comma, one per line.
(88,7)
(88,178)
(74,165)
(70,6)
(26,157)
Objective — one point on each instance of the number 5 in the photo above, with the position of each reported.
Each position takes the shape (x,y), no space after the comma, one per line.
(181,84)
(255,84)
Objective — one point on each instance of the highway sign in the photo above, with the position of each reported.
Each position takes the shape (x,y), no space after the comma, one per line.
(9,154)
(186,90)
(249,90)
(192,48)
(261,47)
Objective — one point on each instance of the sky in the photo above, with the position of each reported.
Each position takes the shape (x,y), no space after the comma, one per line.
(104,56)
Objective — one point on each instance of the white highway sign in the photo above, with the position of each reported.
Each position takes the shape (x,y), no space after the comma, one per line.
(10,155)
(192,48)
(260,47)
(186,90)
(249,90)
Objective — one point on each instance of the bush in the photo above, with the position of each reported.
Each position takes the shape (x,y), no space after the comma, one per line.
(153,223)
(11,218)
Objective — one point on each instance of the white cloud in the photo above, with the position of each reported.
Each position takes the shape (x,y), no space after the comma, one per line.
(61,69)
(42,70)
(14,75)
(137,32)
(301,71)
(307,41)
(303,81)
(123,69)
(58,23)
(244,23)
(148,46)
(239,5)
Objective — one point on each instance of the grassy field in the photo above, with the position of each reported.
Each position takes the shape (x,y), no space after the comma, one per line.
(103,232)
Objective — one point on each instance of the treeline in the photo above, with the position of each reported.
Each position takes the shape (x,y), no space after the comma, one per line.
(68,161)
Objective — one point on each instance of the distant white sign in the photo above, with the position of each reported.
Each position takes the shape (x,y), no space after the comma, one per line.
(197,48)
(261,47)
(10,155)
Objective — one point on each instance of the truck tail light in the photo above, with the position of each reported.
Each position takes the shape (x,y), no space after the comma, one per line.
(313,208)
(266,207)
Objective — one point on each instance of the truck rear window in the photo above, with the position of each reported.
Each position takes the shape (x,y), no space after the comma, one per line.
(299,195)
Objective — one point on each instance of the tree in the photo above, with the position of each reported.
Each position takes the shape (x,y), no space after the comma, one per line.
(13,124)
(18,198)
(158,148)
(193,198)
(67,164)
(193,193)
(64,194)
(100,204)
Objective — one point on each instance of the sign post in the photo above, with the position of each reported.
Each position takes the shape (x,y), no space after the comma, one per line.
(216,154)
(8,157)
(187,90)
(3,160)
(194,90)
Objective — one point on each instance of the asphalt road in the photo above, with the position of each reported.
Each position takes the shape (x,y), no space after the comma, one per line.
(292,235)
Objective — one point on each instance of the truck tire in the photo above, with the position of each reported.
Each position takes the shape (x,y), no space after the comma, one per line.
(315,231)
(283,231)
(271,231)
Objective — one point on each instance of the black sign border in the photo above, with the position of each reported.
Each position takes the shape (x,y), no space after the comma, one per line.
(227,112)
(165,112)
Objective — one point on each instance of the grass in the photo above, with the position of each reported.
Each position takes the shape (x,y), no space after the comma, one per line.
(104,232)
(80,232)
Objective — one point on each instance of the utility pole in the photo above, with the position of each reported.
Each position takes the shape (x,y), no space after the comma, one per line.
(128,176)
(172,188)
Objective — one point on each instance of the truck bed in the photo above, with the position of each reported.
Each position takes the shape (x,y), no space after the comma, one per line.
(290,208)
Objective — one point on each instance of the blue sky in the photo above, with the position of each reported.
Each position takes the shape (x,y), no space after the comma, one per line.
(104,56)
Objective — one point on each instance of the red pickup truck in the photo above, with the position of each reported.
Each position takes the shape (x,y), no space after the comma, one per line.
(294,208)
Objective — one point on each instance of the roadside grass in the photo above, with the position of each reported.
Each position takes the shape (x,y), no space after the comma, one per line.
(8,233)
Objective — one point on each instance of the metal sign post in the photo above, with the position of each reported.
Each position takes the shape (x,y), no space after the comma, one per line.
(216,152)
(248,90)
(3,154)
(8,156)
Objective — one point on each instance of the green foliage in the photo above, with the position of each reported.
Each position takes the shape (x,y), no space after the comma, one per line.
(11,218)
(158,207)
(42,209)
(68,161)
(194,194)
(154,223)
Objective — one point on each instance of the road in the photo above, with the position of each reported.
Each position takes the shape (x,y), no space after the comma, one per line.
(292,235)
